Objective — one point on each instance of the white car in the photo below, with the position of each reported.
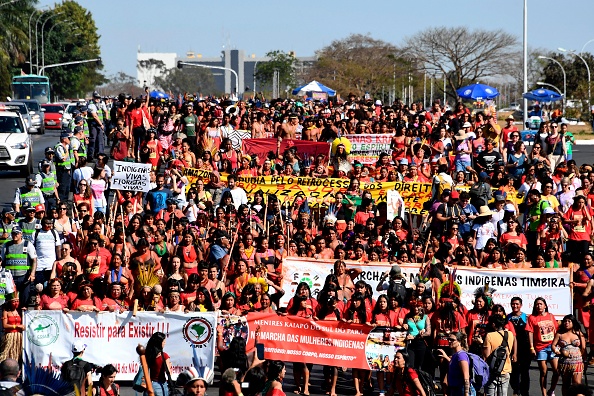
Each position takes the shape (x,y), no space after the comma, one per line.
(16,148)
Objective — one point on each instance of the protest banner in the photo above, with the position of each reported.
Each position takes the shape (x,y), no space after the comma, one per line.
(366,148)
(551,284)
(305,149)
(318,189)
(130,176)
(328,342)
(193,175)
(112,338)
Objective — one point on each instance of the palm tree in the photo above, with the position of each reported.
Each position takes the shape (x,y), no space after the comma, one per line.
(14,39)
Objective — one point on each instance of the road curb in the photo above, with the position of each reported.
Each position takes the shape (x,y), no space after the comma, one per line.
(589,142)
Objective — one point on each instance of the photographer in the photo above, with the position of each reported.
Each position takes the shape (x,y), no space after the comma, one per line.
(77,371)
(447,213)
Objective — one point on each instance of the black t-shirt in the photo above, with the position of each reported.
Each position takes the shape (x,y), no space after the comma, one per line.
(489,160)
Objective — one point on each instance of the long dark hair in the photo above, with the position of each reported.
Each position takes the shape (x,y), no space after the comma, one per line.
(236,356)
(154,346)
(534,312)
(577,327)
(207,300)
(361,312)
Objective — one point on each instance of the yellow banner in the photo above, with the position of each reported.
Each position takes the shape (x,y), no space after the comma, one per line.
(320,190)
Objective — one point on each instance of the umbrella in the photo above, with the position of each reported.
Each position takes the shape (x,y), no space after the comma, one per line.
(341,140)
(313,86)
(543,95)
(158,95)
(477,91)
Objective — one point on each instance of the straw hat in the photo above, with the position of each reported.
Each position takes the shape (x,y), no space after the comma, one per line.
(485,211)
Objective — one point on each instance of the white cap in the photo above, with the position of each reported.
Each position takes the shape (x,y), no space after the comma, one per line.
(78,346)
(548,210)
(378,102)
(509,208)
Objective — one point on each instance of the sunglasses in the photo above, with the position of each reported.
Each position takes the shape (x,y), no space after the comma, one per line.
(63,208)
(452,340)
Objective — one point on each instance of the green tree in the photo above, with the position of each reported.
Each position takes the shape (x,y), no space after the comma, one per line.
(189,79)
(151,67)
(72,36)
(464,56)
(359,64)
(14,41)
(279,61)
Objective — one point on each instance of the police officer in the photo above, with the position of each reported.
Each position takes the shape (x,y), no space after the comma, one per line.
(78,145)
(6,225)
(72,122)
(20,258)
(49,156)
(28,193)
(97,114)
(63,165)
(30,223)
(47,183)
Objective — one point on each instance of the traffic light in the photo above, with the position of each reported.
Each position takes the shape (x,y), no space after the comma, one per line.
(180,64)
(99,62)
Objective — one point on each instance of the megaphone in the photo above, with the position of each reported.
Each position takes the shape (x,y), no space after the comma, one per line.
(232,110)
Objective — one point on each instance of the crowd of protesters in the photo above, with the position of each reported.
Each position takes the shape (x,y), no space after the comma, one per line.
(71,243)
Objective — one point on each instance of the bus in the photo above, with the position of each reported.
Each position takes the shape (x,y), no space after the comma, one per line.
(31,86)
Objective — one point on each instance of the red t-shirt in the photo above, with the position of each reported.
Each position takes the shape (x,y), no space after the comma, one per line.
(407,387)
(56,303)
(93,301)
(156,368)
(98,269)
(518,239)
(441,327)
(476,324)
(543,327)
(582,231)
(390,319)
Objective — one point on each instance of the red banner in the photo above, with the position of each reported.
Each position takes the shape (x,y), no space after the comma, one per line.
(332,343)
(305,149)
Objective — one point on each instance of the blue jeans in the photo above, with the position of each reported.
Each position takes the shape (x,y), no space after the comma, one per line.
(461,165)
(160,389)
(459,391)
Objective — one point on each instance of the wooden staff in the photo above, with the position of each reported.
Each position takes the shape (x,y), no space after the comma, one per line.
(287,237)
(123,231)
(135,307)
(426,247)
(141,351)
(265,213)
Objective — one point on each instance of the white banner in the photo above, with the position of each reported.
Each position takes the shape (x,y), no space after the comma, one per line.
(130,176)
(112,338)
(367,147)
(551,284)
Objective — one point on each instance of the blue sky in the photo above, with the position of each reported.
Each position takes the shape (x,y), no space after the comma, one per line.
(258,27)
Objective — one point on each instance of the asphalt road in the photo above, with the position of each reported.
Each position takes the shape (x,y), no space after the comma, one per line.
(9,181)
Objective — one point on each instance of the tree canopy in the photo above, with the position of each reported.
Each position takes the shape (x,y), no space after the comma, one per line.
(462,54)
(72,36)
(359,63)
(188,79)
(14,41)
(279,61)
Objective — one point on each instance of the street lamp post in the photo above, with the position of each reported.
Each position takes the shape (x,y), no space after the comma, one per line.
(564,78)
(584,46)
(42,38)
(98,60)
(587,69)
(180,65)
(255,66)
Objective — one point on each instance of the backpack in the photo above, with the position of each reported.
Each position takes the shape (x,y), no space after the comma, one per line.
(398,289)
(425,379)
(54,233)
(73,372)
(443,185)
(479,375)
(477,193)
(498,357)
(13,390)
